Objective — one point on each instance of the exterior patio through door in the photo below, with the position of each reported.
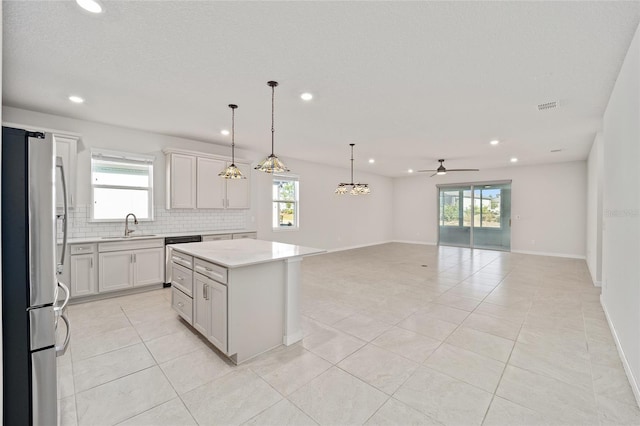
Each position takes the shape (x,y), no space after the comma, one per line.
(476,215)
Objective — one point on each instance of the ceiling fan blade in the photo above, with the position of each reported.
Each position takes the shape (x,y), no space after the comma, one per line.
(433,175)
(427,170)
(463,170)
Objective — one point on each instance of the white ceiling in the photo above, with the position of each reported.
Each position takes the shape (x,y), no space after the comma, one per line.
(408,82)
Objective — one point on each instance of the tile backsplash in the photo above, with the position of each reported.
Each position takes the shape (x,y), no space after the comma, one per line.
(165,221)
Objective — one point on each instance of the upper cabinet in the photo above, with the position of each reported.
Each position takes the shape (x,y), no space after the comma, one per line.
(193,182)
(67,149)
(181,181)
(210,187)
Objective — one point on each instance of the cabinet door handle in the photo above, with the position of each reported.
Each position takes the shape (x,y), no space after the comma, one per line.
(180,304)
(204,291)
(91,263)
(135,258)
(180,278)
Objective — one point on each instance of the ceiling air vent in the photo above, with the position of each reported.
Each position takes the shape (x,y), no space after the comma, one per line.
(548,105)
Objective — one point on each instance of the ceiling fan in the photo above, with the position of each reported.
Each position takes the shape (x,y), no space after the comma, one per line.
(443,171)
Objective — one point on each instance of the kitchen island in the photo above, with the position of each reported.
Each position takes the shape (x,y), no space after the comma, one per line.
(242,295)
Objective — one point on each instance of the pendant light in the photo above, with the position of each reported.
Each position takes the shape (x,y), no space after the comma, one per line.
(272,164)
(353,188)
(231,171)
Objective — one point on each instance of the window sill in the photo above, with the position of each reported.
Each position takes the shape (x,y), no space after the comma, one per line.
(286,229)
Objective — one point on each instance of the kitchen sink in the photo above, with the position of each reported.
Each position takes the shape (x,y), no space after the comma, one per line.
(129,237)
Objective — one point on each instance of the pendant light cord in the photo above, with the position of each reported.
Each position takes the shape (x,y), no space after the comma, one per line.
(352,162)
(273,95)
(233,136)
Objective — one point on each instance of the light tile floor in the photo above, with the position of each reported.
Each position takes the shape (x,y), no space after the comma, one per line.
(394,334)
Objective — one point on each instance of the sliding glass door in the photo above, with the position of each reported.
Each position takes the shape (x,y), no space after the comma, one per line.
(475,215)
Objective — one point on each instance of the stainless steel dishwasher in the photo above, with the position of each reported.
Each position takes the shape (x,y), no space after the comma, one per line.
(168,242)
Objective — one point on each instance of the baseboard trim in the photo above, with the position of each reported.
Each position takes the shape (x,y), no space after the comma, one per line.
(544,253)
(627,369)
(358,246)
(424,243)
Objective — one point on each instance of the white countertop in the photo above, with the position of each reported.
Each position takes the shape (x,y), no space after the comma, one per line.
(142,236)
(244,252)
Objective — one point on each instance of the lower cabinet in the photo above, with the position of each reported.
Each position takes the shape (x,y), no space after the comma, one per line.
(126,264)
(116,270)
(148,266)
(83,269)
(210,310)
(83,275)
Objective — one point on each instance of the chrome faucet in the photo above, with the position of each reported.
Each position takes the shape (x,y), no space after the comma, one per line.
(127,231)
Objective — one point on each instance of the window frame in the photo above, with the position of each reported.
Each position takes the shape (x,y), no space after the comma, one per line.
(278,177)
(127,156)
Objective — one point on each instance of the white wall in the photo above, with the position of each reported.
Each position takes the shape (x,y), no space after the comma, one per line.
(550,200)
(328,220)
(621,227)
(595,165)
(97,135)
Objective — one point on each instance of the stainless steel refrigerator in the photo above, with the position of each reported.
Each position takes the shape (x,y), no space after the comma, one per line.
(31,310)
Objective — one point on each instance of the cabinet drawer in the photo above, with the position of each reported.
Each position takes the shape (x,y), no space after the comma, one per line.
(182,304)
(182,278)
(216,237)
(135,244)
(252,235)
(211,270)
(82,248)
(182,259)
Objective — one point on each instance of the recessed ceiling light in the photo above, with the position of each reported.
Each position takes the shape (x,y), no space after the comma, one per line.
(494,142)
(92,6)
(224,132)
(306,96)
(76,99)
(410,171)
(514,160)
(371,161)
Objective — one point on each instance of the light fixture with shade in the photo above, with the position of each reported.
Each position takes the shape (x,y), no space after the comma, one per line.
(353,188)
(232,171)
(272,164)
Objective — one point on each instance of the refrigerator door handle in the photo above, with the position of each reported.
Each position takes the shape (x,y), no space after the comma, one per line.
(58,310)
(64,217)
(62,349)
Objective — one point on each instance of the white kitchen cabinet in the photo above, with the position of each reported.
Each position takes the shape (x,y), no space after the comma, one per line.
(217,294)
(201,306)
(83,266)
(238,190)
(148,266)
(126,264)
(83,275)
(193,182)
(181,181)
(211,193)
(67,149)
(216,237)
(241,235)
(210,310)
(115,271)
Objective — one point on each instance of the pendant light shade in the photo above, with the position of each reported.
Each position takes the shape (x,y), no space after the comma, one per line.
(353,188)
(232,171)
(272,164)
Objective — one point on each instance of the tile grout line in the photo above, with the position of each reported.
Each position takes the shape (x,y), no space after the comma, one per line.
(161,370)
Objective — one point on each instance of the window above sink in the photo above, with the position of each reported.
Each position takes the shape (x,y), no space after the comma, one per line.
(121,183)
